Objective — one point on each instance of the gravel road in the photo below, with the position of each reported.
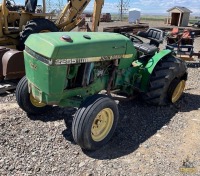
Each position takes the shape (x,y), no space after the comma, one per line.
(148,141)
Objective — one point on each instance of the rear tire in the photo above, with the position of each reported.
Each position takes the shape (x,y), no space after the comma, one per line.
(95,122)
(167,81)
(26,101)
(37,25)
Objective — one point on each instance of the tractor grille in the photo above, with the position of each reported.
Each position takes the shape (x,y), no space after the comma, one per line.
(38,56)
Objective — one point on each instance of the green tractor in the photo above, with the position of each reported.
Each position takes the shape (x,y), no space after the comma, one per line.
(69,69)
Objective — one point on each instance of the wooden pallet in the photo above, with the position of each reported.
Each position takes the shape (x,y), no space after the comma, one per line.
(129,28)
(185,57)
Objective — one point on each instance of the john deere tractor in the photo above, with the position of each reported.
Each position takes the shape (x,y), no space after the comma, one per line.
(69,69)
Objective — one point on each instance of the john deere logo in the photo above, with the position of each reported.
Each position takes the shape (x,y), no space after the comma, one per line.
(33,66)
(187,167)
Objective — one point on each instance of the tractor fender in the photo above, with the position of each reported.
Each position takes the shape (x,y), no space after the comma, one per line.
(149,67)
(13,64)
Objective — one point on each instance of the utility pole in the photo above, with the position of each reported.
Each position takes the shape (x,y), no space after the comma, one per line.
(48,5)
(121,10)
(123,7)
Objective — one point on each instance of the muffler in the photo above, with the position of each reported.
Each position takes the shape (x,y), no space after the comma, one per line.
(3,50)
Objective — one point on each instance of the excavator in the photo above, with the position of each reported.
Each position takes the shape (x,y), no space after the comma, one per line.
(18,22)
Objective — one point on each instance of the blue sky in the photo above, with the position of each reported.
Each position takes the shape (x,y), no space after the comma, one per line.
(146,6)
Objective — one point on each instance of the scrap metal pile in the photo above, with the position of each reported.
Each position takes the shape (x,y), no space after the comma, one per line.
(182,43)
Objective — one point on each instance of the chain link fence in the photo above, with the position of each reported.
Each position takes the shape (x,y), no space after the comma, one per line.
(55,6)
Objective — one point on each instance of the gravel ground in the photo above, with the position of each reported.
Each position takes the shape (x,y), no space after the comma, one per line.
(149,140)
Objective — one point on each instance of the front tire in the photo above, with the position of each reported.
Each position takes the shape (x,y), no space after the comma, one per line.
(95,122)
(167,81)
(26,101)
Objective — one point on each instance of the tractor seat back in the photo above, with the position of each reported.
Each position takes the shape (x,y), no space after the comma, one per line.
(156,36)
(146,49)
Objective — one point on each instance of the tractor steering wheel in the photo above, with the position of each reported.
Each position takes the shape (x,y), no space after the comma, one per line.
(135,39)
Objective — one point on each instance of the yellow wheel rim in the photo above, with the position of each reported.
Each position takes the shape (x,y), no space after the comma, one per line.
(178,91)
(36,103)
(102,124)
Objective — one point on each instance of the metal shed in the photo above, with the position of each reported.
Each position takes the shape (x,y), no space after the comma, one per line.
(179,16)
(134,15)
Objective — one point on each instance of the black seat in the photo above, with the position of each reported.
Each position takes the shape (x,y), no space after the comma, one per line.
(146,49)
(156,36)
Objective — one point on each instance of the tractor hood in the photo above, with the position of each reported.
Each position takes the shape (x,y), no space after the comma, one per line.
(71,45)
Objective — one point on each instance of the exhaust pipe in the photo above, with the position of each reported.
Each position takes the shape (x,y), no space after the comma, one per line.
(3,50)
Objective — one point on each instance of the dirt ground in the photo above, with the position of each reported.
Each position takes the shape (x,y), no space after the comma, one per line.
(149,140)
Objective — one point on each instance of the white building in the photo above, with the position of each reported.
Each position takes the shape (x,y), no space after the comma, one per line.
(179,16)
(134,15)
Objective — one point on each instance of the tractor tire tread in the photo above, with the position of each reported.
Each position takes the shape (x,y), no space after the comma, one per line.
(82,116)
(77,121)
(35,26)
(23,99)
(164,73)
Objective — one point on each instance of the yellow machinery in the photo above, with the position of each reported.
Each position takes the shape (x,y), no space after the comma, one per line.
(67,20)
(17,24)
